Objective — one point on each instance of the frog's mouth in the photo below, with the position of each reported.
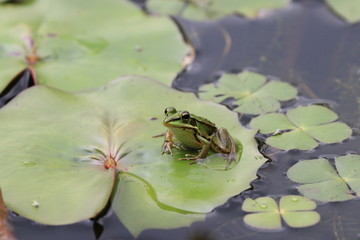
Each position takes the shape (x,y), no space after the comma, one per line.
(167,124)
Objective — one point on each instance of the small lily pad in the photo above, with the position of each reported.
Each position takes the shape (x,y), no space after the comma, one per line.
(295,211)
(251,92)
(348,9)
(302,128)
(208,9)
(321,182)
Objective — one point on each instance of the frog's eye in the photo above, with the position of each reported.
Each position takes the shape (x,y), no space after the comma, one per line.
(169,110)
(185,115)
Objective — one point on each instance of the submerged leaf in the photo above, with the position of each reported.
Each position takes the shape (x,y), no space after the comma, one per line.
(323,183)
(251,92)
(69,50)
(69,152)
(302,126)
(295,210)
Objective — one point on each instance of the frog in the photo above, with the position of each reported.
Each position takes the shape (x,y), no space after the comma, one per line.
(196,133)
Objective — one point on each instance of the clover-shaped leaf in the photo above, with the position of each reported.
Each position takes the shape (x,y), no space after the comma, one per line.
(252,93)
(302,128)
(63,165)
(200,9)
(265,213)
(80,45)
(321,182)
(348,9)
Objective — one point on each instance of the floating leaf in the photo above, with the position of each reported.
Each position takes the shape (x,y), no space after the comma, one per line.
(301,127)
(348,9)
(250,91)
(200,9)
(295,210)
(72,48)
(321,181)
(68,155)
(266,214)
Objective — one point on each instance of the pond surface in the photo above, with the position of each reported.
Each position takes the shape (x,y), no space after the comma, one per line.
(305,44)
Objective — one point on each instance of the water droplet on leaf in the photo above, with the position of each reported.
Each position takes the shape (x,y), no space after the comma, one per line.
(263,206)
(28,164)
(295,199)
(35,203)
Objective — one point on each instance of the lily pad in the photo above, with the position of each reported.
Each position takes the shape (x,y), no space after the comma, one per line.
(321,181)
(252,93)
(73,149)
(208,9)
(302,128)
(76,45)
(348,9)
(265,213)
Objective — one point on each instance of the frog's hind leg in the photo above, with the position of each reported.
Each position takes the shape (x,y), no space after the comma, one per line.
(203,153)
(222,142)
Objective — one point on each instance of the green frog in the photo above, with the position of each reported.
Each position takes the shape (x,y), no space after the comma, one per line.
(195,132)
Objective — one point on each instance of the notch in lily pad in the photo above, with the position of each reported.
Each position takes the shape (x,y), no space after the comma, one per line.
(251,92)
(265,213)
(320,181)
(302,128)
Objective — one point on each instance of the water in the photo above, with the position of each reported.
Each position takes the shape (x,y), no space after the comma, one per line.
(305,44)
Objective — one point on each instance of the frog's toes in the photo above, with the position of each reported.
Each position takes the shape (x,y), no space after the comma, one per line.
(187,159)
(197,161)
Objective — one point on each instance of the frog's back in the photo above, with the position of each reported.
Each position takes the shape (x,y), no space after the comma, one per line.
(205,126)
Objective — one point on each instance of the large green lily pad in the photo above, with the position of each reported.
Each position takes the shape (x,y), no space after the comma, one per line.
(348,9)
(266,214)
(250,91)
(208,9)
(79,45)
(58,143)
(321,182)
(302,128)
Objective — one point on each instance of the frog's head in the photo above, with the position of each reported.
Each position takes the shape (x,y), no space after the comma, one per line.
(174,118)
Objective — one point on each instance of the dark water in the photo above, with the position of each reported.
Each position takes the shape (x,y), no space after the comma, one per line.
(305,44)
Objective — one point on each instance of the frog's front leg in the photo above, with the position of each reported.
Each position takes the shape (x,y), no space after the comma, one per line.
(206,145)
(168,143)
(222,142)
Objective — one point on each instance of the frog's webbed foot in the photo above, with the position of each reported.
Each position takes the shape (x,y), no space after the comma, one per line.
(193,158)
(166,148)
(230,158)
